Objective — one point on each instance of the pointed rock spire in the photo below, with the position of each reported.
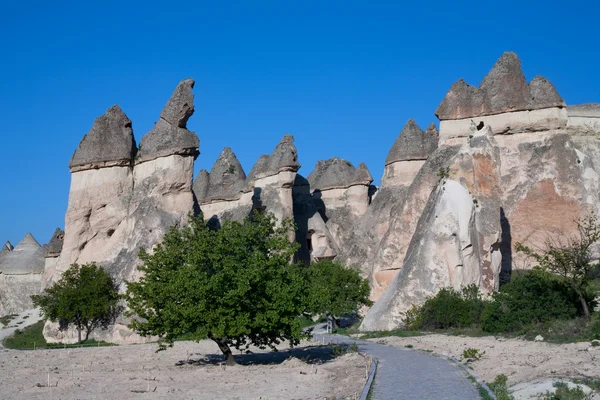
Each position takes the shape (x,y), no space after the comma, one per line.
(338,173)
(543,94)
(110,142)
(170,135)
(55,244)
(505,85)
(226,180)
(503,89)
(413,143)
(28,242)
(26,258)
(7,247)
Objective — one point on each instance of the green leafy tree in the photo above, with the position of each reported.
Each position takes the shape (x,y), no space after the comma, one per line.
(86,296)
(336,289)
(571,258)
(234,285)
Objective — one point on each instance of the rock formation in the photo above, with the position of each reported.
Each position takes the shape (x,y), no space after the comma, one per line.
(21,271)
(325,205)
(511,162)
(126,198)
(509,179)
(504,100)
(227,194)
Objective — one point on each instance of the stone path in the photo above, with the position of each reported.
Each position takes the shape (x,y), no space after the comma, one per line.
(410,375)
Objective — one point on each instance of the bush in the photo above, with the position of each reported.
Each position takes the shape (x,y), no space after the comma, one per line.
(449,308)
(532,297)
(500,387)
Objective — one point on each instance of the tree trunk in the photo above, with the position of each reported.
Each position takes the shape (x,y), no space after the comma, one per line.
(586,309)
(87,333)
(78,334)
(224,347)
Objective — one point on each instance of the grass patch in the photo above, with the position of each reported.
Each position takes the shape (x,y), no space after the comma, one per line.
(31,337)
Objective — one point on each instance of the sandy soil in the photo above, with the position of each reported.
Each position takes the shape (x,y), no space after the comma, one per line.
(187,371)
(520,360)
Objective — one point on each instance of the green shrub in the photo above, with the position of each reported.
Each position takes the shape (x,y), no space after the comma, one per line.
(500,388)
(533,297)
(449,308)
(593,329)
(472,354)
(563,392)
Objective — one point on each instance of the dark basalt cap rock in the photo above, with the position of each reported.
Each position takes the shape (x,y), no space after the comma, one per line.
(413,143)
(505,85)
(110,142)
(169,136)
(226,180)
(543,94)
(283,158)
(55,244)
(503,89)
(462,101)
(338,173)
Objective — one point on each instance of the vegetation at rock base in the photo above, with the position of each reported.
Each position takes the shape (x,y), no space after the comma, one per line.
(570,259)
(449,308)
(86,296)
(32,338)
(235,285)
(553,299)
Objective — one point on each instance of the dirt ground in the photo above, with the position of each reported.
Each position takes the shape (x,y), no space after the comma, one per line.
(187,371)
(521,361)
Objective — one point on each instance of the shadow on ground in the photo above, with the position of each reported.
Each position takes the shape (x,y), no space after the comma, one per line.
(310,355)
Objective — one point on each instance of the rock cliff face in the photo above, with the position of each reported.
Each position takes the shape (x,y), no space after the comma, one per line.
(511,162)
(507,179)
(123,198)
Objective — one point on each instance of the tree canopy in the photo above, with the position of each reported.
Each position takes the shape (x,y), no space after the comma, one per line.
(336,289)
(235,285)
(86,296)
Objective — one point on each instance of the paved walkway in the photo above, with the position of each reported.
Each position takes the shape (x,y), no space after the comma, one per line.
(410,375)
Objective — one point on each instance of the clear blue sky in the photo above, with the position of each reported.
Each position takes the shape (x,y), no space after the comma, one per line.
(342,76)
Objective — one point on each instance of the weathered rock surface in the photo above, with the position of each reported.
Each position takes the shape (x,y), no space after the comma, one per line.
(55,244)
(226,193)
(116,210)
(226,180)
(169,136)
(21,270)
(6,247)
(110,142)
(515,187)
(503,89)
(327,205)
